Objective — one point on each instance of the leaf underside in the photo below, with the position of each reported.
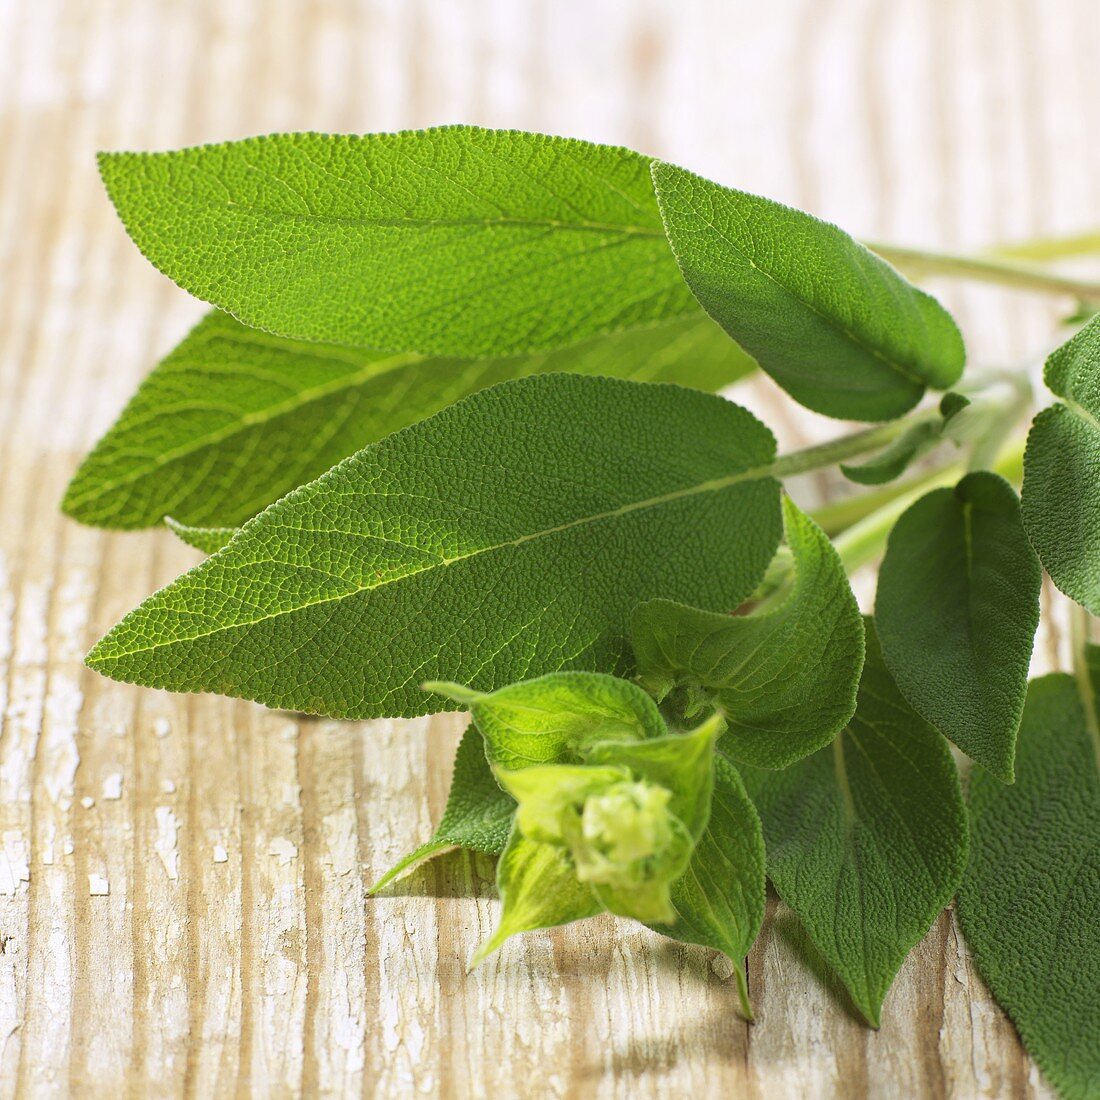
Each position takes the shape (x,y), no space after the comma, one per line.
(838,328)
(1030,901)
(234,418)
(507,536)
(866,840)
(956,613)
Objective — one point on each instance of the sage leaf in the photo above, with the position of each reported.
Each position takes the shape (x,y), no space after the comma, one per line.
(785,679)
(507,536)
(556,718)
(478,814)
(1030,902)
(449,241)
(956,613)
(866,841)
(1061,490)
(719,901)
(538,888)
(234,418)
(207,539)
(894,460)
(833,324)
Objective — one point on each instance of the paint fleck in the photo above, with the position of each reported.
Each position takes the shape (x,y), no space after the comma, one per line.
(283,850)
(165,844)
(220,854)
(98,886)
(112,786)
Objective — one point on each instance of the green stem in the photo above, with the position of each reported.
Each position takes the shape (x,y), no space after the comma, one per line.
(847,446)
(988,269)
(1050,248)
(1080,623)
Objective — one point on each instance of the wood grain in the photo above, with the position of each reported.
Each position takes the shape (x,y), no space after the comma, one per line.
(182,906)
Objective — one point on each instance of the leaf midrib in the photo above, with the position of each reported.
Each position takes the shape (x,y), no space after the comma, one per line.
(711,485)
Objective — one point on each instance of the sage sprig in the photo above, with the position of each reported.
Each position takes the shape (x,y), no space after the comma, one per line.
(452,435)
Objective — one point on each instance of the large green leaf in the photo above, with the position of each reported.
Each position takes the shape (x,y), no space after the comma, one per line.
(838,328)
(507,536)
(785,679)
(1061,491)
(478,814)
(956,613)
(450,241)
(866,840)
(234,418)
(1030,901)
(720,899)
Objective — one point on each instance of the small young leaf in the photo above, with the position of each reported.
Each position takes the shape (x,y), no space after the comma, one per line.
(1061,491)
(507,536)
(235,418)
(1030,901)
(866,841)
(538,889)
(478,814)
(956,613)
(449,241)
(207,539)
(719,901)
(838,328)
(786,679)
(895,459)
(556,718)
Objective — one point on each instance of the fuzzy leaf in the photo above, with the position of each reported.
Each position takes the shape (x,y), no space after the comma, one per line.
(1030,901)
(1061,491)
(207,539)
(956,613)
(786,679)
(449,241)
(719,901)
(556,718)
(538,889)
(838,328)
(895,459)
(478,814)
(866,840)
(235,418)
(505,537)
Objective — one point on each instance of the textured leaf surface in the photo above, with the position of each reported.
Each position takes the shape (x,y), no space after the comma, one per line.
(956,613)
(1030,901)
(450,241)
(866,840)
(235,418)
(785,680)
(1061,491)
(838,328)
(555,719)
(207,539)
(508,536)
(894,460)
(478,814)
(720,900)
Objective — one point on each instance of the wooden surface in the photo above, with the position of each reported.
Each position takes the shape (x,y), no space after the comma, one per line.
(181,878)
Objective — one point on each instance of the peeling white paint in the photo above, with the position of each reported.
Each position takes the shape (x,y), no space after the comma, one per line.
(87,802)
(166,842)
(220,854)
(283,850)
(98,886)
(112,786)
(162,727)
(14,867)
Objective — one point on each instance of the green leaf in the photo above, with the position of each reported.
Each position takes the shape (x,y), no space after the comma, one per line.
(538,889)
(956,613)
(894,460)
(207,539)
(720,899)
(448,241)
(786,679)
(505,537)
(1061,491)
(478,814)
(235,418)
(867,840)
(558,717)
(1030,901)
(838,328)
